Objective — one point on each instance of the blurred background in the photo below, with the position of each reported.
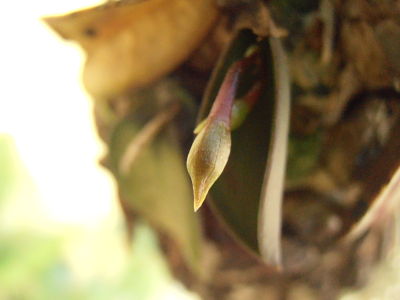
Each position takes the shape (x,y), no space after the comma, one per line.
(61,231)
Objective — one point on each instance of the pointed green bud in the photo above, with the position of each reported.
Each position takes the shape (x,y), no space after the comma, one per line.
(207,158)
(211,148)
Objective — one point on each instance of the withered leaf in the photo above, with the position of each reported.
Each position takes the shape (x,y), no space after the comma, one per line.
(385,204)
(131,44)
(270,214)
(380,183)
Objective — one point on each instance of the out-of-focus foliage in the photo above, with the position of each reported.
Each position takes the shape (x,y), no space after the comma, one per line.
(156,185)
(33,267)
(35,264)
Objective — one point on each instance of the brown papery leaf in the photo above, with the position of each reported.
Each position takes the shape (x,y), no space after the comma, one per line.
(385,204)
(131,44)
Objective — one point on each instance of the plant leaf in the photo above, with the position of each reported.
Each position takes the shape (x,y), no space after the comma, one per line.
(156,186)
(235,196)
(131,44)
(380,185)
(385,203)
(248,194)
(270,214)
(145,136)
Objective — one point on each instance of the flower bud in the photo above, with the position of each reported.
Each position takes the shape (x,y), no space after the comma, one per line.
(211,148)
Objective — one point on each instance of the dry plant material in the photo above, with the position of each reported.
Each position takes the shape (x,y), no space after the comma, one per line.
(270,213)
(129,45)
(383,206)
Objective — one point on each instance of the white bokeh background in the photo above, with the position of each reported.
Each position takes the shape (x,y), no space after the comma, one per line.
(45,109)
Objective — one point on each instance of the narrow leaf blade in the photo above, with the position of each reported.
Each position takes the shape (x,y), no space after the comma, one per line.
(270,213)
(235,196)
(155,185)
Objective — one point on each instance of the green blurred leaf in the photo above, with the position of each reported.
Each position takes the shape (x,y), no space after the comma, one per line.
(32,267)
(303,155)
(156,186)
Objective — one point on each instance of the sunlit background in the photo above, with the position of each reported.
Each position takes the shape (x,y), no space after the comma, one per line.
(45,110)
(61,233)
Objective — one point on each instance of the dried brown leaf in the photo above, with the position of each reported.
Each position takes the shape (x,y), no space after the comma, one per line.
(129,45)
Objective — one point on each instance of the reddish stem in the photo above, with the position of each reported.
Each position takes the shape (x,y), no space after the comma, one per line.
(222,106)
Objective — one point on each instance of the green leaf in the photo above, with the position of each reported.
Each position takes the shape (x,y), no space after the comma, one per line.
(156,186)
(235,196)
(257,162)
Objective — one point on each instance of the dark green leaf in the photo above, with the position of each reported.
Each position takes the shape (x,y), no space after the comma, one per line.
(235,196)
(257,162)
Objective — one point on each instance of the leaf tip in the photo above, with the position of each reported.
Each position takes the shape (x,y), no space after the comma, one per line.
(196,206)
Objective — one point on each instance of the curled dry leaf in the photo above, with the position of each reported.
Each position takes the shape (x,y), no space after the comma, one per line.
(211,148)
(386,203)
(131,44)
